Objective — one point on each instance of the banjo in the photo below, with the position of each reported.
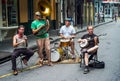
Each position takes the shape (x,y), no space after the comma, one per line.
(85,42)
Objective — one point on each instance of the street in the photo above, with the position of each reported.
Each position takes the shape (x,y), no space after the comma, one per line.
(108,52)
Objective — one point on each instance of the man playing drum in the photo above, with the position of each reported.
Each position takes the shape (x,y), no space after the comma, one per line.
(67,32)
(91,47)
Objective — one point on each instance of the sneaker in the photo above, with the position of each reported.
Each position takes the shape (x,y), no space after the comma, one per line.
(86,70)
(15,72)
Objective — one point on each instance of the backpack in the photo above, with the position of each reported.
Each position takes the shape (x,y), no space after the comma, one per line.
(97,64)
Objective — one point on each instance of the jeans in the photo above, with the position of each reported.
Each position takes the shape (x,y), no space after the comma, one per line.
(16,53)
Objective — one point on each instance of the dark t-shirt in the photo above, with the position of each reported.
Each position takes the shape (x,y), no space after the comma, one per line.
(91,41)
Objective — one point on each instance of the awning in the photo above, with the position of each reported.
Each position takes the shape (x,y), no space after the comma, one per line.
(111,2)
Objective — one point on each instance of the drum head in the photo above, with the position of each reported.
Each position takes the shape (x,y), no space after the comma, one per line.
(55,56)
(64,40)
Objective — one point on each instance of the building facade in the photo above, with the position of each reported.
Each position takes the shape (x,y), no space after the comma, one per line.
(111,7)
(8,18)
(21,12)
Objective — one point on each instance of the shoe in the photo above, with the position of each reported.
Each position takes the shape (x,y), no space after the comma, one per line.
(40,63)
(73,56)
(24,61)
(15,72)
(86,70)
(50,64)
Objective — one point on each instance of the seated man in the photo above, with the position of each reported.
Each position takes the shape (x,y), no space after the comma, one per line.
(20,44)
(68,32)
(91,47)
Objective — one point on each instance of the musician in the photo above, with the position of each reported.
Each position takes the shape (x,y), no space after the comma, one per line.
(20,44)
(38,26)
(68,32)
(91,48)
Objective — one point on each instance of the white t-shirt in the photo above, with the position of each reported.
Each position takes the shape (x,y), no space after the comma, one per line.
(67,31)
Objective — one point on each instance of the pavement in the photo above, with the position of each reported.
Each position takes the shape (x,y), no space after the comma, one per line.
(6,47)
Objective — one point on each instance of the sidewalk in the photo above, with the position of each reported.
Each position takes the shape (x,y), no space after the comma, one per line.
(6,46)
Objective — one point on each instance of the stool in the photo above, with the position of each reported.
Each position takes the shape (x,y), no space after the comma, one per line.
(21,56)
(93,57)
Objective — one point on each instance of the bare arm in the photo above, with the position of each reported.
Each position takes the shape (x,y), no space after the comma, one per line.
(48,25)
(15,43)
(62,36)
(96,40)
(35,31)
(26,41)
(73,36)
(80,40)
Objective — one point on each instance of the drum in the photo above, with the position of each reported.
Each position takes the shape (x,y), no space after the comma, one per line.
(55,56)
(64,42)
(60,50)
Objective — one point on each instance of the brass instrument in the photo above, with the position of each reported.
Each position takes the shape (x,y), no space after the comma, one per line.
(44,7)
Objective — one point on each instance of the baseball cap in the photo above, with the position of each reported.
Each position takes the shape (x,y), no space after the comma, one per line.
(67,19)
(37,13)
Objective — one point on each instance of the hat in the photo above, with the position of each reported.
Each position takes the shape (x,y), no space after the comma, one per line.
(37,13)
(67,19)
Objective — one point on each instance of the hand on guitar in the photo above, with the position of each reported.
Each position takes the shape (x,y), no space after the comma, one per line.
(81,40)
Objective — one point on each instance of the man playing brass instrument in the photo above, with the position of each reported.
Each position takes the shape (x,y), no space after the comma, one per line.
(68,32)
(39,28)
(91,47)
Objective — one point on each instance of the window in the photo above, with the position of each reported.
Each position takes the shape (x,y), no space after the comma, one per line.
(109,11)
(9,13)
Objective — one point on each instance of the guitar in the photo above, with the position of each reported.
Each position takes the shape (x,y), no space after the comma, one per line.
(85,42)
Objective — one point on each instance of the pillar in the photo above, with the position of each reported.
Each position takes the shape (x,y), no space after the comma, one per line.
(53,14)
(84,11)
(0,13)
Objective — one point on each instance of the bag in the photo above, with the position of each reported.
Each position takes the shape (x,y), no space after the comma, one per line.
(97,64)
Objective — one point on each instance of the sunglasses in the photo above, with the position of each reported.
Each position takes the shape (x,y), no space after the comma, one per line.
(38,15)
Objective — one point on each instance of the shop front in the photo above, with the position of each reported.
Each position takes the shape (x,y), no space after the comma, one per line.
(8,18)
